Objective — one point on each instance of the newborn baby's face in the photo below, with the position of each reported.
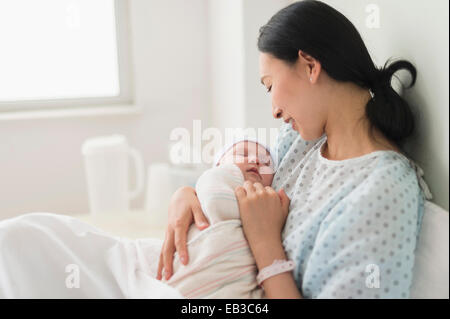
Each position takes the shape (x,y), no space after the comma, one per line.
(254,161)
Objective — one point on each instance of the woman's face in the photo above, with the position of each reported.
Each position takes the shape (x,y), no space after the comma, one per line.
(294,97)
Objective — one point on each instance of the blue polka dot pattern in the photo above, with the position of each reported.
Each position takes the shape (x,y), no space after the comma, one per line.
(352,225)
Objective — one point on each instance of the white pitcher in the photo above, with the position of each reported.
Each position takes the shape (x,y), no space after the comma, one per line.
(106,160)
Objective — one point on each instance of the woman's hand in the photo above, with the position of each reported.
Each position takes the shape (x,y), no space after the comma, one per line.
(263,213)
(184,209)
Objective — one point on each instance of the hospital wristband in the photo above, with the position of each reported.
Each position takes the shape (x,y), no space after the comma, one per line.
(277,267)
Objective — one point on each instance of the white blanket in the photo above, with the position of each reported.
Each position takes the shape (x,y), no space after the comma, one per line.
(221,264)
(45,255)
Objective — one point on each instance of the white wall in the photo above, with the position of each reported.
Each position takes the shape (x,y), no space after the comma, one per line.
(198,59)
(227,63)
(418,31)
(257,101)
(41,167)
(239,99)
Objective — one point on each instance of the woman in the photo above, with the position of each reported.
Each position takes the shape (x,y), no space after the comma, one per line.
(356,204)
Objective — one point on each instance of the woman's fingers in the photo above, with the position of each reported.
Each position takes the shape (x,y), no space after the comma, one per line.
(284,200)
(199,217)
(159,273)
(160,267)
(270,190)
(259,188)
(180,244)
(181,211)
(168,251)
(240,193)
(249,188)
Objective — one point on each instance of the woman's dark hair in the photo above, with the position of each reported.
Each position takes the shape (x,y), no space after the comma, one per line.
(327,35)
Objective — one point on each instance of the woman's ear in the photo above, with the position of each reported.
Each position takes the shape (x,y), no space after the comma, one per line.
(310,66)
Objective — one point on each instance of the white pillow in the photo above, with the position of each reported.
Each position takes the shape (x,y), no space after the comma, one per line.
(431,265)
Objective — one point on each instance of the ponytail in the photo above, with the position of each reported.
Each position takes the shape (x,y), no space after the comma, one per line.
(387,110)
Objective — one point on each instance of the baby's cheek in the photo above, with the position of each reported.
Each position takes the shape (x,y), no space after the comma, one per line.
(267,179)
(242,168)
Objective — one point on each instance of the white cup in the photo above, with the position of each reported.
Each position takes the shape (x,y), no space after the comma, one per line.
(106,160)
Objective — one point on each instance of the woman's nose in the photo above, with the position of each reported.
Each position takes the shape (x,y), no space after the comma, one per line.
(276,113)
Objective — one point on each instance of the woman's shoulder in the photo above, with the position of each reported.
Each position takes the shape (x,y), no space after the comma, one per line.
(393,167)
(390,171)
(391,185)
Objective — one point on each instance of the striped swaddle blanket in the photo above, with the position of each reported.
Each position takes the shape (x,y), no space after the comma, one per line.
(221,264)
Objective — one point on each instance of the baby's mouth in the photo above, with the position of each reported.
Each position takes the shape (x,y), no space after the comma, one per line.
(254,170)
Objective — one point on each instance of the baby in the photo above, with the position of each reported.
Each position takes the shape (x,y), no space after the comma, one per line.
(221,264)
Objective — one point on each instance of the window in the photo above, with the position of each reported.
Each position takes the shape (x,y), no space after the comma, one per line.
(63,53)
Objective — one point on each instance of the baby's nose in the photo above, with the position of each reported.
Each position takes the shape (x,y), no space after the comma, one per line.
(253,159)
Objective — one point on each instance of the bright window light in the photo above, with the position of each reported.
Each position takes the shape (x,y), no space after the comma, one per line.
(58,49)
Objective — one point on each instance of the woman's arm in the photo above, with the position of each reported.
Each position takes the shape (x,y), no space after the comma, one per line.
(263,214)
(281,286)
(184,209)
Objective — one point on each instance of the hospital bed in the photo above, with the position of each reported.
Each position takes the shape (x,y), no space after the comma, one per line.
(431,272)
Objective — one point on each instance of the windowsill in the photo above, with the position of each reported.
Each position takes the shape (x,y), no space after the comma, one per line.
(71,112)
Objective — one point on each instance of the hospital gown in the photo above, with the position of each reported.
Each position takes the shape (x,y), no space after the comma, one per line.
(353,224)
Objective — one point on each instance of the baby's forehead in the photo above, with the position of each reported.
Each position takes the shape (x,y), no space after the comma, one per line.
(250,146)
